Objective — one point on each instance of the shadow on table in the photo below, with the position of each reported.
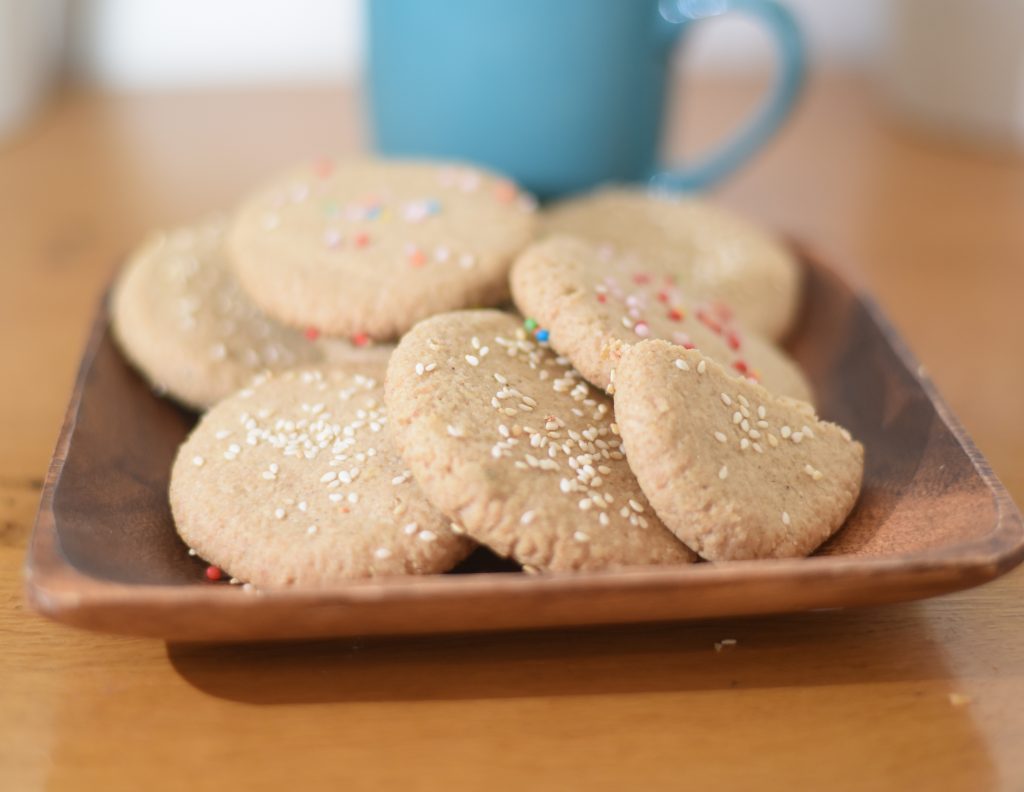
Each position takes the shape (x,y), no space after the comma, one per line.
(800,650)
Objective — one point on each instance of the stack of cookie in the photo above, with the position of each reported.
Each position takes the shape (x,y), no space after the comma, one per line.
(370,410)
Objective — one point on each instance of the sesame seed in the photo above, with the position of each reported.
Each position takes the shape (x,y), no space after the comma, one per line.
(410,528)
(785,518)
(797,437)
(473,360)
(312,530)
(761,412)
(745,425)
(192,551)
(757,447)
(744,444)
(736,417)
(726,400)
(420,369)
(454,431)
(527,517)
(579,536)
(198,461)
(585,503)
(806,430)
(330,475)
(636,505)
(754,434)
(723,472)
(785,431)
(427,536)
(845,434)
(682,365)
(773,441)
(353,497)
(720,437)
(279,513)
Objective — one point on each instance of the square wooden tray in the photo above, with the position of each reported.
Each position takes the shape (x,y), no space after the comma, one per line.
(932,519)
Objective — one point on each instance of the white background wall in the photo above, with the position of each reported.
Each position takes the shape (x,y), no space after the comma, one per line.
(153,44)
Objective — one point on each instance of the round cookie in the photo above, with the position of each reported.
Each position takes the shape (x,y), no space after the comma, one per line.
(369,247)
(181,318)
(510,442)
(295,481)
(734,471)
(594,304)
(715,254)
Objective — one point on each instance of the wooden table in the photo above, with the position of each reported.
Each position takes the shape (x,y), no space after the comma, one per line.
(836,700)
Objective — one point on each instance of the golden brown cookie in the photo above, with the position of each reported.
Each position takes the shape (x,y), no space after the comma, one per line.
(511,443)
(366,248)
(594,303)
(733,471)
(295,481)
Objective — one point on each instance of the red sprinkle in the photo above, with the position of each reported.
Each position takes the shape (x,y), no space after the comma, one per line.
(417,258)
(724,311)
(323,167)
(641,278)
(708,321)
(689,345)
(676,315)
(360,339)
(663,296)
(741,367)
(213,573)
(505,192)
(362,239)
(602,298)
(733,340)
(312,333)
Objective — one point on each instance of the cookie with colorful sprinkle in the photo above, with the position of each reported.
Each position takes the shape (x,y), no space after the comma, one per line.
(180,317)
(734,472)
(714,254)
(592,304)
(295,481)
(510,442)
(369,247)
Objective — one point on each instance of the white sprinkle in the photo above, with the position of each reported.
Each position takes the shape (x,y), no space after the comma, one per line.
(726,400)
(427,536)
(420,369)
(785,518)
(527,517)
(312,530)
(579,536)
(198,461)
(382,553)
(279,513)
(473,360)
(682,365)
(454,431)
(302,506)
(398,480)
(192,551)
(701,367)
(723,472)
(353,497)
(410,528)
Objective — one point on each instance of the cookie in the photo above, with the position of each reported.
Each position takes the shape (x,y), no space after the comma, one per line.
(295,481)
(369,247)
(513,445)
(180,317)
(714,254)
(593,304)
(734,471)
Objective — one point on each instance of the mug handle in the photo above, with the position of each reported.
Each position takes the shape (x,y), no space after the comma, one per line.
(743,144)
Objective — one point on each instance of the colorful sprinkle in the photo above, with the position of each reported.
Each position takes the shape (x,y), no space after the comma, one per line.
(360,339)
(311,333)
(213,573)
(542,335)
(530,325)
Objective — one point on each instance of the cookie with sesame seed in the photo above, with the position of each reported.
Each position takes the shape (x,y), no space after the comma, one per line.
(591,304)
(734,471)
(368,247)
(295,481)
(511,443)
(714,254)
(180,317)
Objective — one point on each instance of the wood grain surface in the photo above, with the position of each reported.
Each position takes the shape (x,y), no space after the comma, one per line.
(925,695)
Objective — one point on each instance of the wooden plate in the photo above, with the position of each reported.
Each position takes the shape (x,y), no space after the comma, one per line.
(932,519)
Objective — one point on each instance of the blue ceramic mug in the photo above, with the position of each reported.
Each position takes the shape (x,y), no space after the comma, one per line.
(559,94)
